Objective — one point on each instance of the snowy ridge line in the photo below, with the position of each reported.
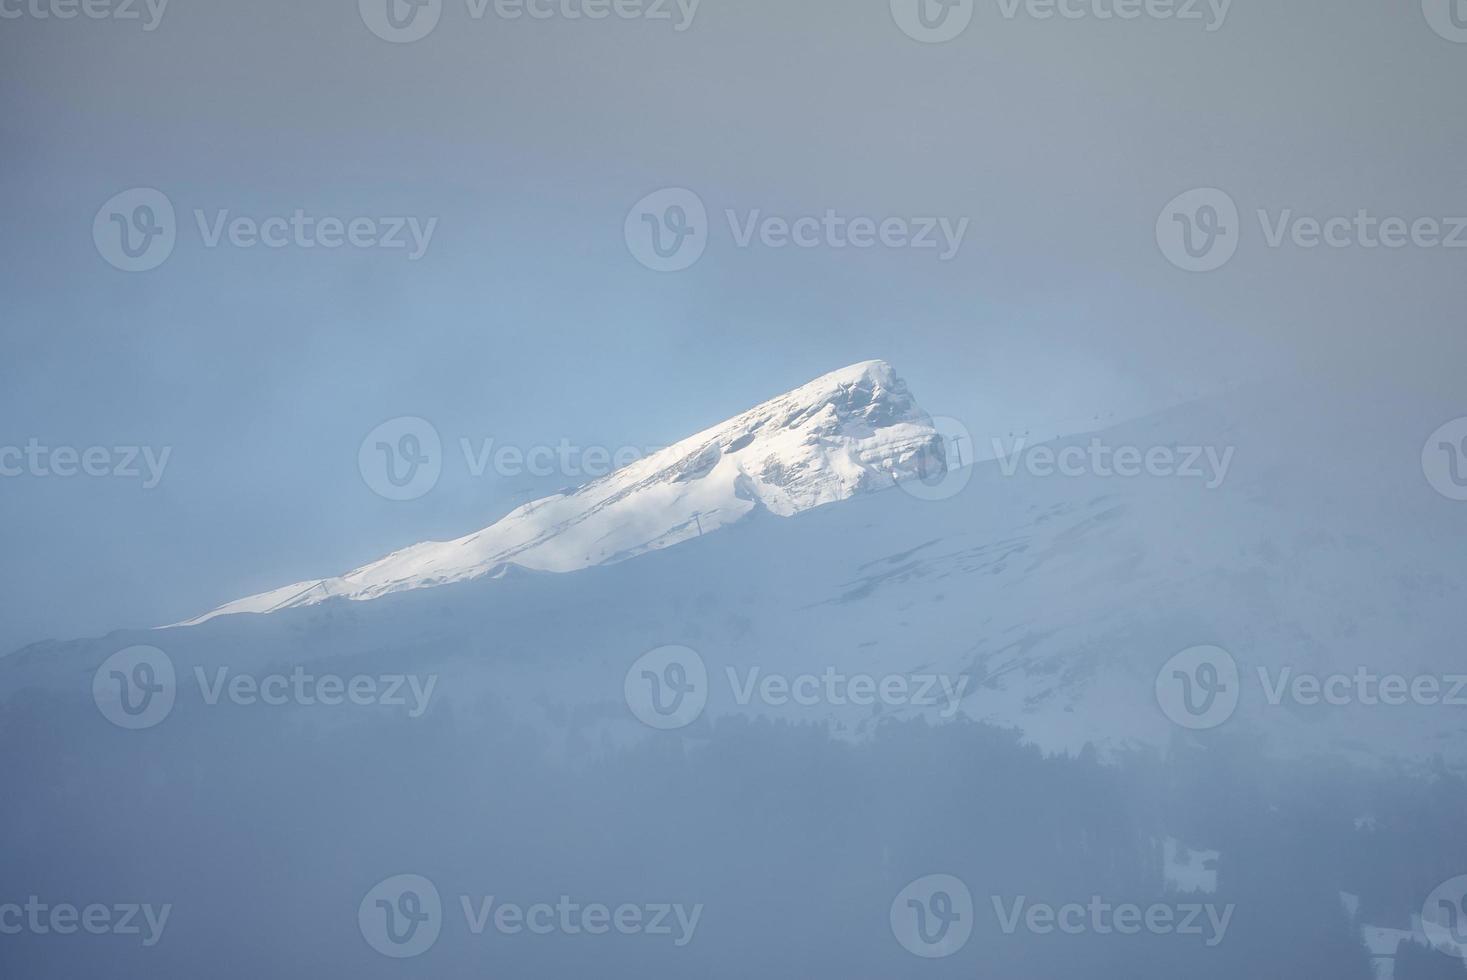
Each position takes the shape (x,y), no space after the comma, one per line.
(851,431)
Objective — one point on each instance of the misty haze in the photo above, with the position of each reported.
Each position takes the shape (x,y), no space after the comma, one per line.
(662,488)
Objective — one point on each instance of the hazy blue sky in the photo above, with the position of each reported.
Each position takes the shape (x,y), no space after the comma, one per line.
(529,321)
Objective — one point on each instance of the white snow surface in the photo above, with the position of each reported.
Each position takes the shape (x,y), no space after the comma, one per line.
(847,432)
(1189,870)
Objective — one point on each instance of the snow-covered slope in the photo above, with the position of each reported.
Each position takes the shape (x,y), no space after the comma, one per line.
(1044,602)
(847,432)
(1057,601)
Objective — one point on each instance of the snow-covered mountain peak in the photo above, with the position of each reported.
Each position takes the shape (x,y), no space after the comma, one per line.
(851,431)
